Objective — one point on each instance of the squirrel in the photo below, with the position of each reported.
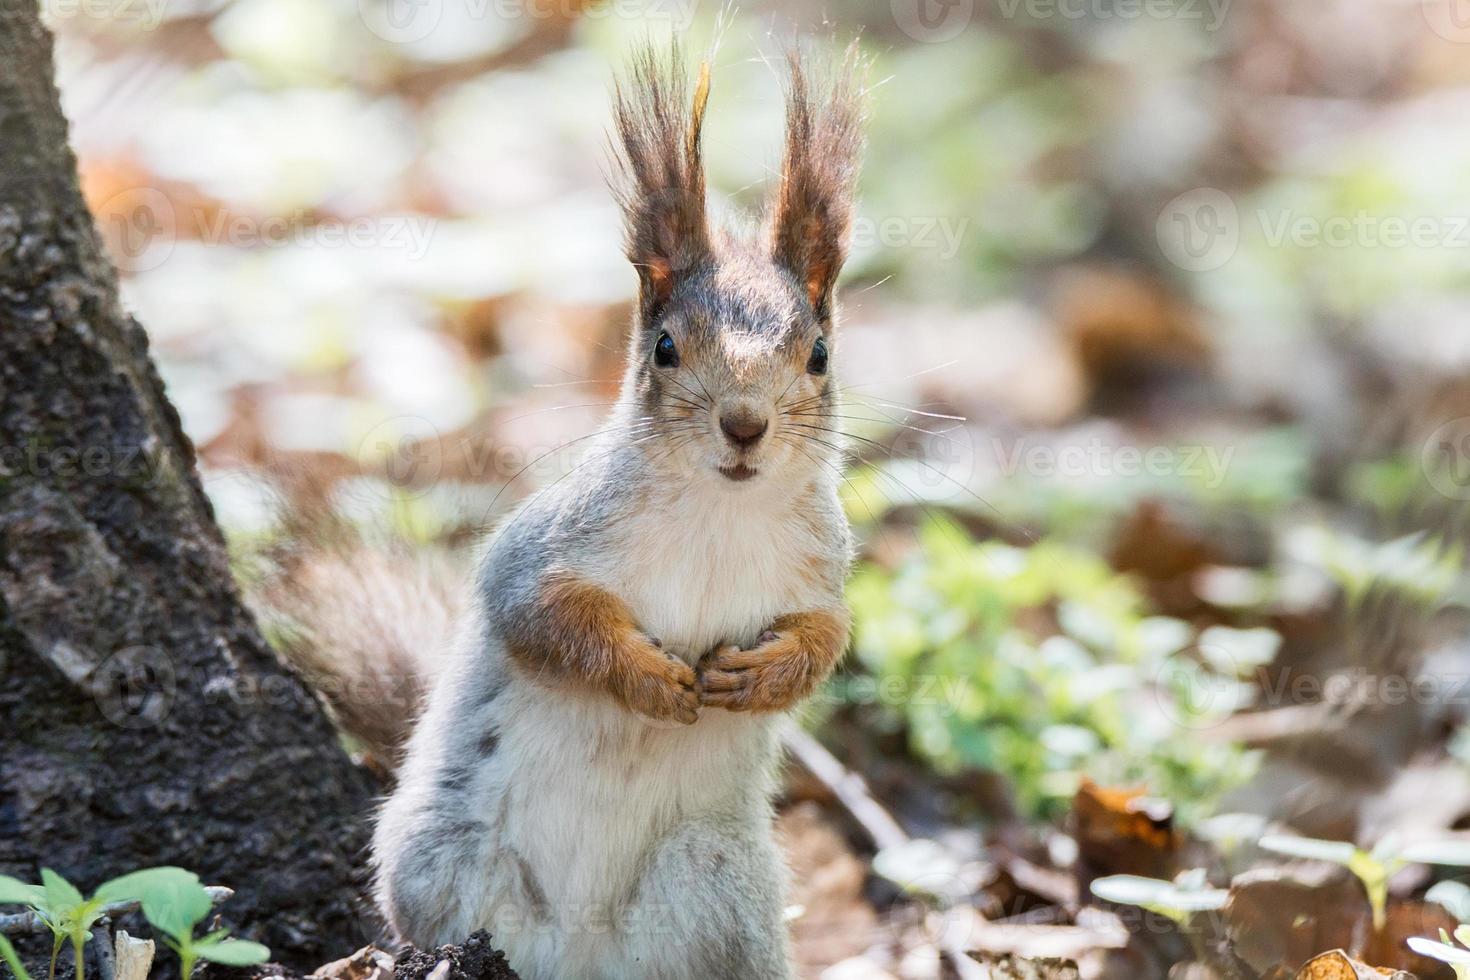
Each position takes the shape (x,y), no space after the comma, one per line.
(591,776)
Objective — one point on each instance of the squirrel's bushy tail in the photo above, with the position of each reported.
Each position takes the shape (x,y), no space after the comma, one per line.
(364,622)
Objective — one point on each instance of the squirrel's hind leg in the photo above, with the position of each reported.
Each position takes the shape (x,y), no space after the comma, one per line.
(710,905)
(437,835)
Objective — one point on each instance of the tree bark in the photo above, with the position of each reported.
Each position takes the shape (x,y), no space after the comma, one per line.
(143,718)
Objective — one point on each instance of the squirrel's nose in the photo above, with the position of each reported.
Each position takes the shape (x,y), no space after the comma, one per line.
(743,430)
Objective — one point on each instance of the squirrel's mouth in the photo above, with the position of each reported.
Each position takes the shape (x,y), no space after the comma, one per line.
(739,472)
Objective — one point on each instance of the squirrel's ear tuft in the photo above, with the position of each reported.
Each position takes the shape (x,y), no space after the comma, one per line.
(660,184)
(812,215)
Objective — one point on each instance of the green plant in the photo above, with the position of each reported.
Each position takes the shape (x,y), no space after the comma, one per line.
(1420,568)
(1230,831)
(1454,896)
(60,907)
(1445,951)
(173,901)
(1176,900)
(1041,663)
(1373,867)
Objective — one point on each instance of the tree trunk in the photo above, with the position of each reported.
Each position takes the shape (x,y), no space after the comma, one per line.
(143,719)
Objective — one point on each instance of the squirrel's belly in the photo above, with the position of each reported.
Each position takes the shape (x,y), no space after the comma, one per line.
(623,785)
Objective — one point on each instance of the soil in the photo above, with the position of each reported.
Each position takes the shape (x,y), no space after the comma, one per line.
(474,959)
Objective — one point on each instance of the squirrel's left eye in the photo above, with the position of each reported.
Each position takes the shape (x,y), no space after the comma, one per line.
(665,354)
(818,362)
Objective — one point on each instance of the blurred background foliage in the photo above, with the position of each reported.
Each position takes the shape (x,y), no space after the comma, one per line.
(1156,325)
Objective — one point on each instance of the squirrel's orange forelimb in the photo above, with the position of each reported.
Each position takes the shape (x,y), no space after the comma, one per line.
(581,634)
(780,671)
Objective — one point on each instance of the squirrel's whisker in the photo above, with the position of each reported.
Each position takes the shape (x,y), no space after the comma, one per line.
(692,393)
(591,459)
(558,408)
(937,472)
(644,421)
(943,433)
(702,387)
(916,411)
(837,470)
(868,402)
(924,506)
(685,401)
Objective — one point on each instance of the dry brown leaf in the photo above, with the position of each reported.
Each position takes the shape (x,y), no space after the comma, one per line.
(1284,916)
(1389,945)
(1123,831)
(368,963)
(1010,967)
(1337,965)
(1161,549)
(1123,327)
(1045,942)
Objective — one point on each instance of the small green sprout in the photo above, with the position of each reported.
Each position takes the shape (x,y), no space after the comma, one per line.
(1374,868)
(1176,900)
(1228,831)
(175,902)
(1445,951)
(63,910)
(1453,896)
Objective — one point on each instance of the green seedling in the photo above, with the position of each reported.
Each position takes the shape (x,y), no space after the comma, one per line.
(7,953)
(61,908)
(1454,896)
(1375,867)
(1229,831)
(174,902)
(1458,957)
(1176,900)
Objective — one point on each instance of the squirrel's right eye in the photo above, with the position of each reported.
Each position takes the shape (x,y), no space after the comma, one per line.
(665,354)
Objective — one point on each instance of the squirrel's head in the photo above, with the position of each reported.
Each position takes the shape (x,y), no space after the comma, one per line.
(734,341)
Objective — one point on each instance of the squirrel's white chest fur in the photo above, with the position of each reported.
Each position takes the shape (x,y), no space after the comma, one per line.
(713,567)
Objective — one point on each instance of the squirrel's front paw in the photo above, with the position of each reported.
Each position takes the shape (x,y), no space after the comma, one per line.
(772,677)
(657,684)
